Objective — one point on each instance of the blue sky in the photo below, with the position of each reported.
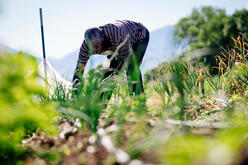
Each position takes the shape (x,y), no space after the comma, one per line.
(66,20)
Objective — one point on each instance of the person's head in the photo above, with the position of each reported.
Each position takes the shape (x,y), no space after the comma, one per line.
(94,38)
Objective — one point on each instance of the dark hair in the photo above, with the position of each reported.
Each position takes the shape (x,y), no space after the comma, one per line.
(94,33)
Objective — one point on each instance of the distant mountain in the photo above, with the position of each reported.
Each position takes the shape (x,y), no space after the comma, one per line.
(65,66)
(160,48)
(6,48)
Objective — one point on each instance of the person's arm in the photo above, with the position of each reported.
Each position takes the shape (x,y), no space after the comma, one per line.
(81,63)
(78,73)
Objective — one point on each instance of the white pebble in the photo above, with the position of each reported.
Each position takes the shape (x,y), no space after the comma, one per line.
(77,123)
(80,145)
(92,139)
(91,149)
(135,162)
(24,141)
(100,132)
(107,143)
(112,128)
(121,156)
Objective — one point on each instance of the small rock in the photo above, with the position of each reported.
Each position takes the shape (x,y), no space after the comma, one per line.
(136,162)
(121,156)
(80,145)
(92,139)
(91,149)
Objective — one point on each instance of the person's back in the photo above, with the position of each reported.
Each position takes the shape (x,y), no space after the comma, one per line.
(114,34)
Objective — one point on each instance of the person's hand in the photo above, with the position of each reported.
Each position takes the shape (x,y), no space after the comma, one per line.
(106,64)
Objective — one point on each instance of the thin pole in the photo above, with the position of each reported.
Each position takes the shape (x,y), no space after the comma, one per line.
(43,44)
(42,34)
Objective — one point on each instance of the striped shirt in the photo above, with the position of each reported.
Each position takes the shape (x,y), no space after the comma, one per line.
(116,33)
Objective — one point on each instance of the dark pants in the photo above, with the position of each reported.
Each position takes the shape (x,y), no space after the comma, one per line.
(135,83)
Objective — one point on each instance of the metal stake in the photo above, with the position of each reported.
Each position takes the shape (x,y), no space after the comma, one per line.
(43,43)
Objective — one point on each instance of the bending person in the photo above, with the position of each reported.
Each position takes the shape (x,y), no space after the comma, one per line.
(134,37)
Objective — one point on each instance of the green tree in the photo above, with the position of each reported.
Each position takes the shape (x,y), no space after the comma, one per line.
(236,23)
(212,28)
(203,28)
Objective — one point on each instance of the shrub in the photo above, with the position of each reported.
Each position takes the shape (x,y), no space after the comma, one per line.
(22,111)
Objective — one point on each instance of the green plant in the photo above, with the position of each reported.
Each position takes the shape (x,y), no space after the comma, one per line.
(91,98)
(164,87)
(22,111)
(181,78)
(216,82)
(191,149)
(233,66)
